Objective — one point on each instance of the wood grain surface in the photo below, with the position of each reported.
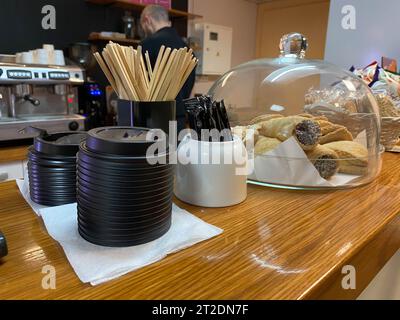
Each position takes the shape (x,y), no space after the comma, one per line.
(277,245)
(10,154)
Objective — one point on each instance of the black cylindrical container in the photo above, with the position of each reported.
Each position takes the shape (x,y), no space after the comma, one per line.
(52,168)
(124,194)
(3,246)
(152,115)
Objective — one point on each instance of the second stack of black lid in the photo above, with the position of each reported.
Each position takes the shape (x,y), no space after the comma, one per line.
(52,168)
(124,195)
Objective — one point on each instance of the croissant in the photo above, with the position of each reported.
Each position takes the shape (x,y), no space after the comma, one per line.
(306,131)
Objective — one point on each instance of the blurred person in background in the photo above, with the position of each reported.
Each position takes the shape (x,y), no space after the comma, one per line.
(158,32)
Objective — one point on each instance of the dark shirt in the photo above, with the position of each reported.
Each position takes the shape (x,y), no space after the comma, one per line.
(169,37)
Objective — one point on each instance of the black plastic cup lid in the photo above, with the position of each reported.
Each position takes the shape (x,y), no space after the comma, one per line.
(53,195)
(49,176)
(50,169)
(49,166)
(53,191)
(129,184)
(125,179)
(122,215)
(3,246)
(117,194)
(60,160)
(124,141)
(99,198)
(150,218)
(138,228)
(124,198)
(34,155)
(106,229)
(44,177)
(125,173)
(120,243)
(117,169)
(129,208)
(124,234)
(95,185)
(51,180)
(51,203)
(125,163)
(119,216)
(59,144)
(50,194)
(49,186)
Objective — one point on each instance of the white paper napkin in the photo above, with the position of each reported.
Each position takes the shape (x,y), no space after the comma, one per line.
(23,186)
(95,264)
(289,165)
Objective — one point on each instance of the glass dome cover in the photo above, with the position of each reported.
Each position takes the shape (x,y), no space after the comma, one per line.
(315,125)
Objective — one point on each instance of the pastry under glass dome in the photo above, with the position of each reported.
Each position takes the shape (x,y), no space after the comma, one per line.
(283,99)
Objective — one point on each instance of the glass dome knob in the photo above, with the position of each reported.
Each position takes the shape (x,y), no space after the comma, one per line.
(293,45)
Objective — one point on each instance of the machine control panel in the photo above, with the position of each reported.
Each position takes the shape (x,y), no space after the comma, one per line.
(19,74)
(59,75)
(15,74)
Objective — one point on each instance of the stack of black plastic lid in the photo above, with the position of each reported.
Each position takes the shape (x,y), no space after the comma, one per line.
(124,195)
(52,168)
(3,246)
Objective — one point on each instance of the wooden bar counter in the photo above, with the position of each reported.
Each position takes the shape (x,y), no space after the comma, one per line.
(277,245)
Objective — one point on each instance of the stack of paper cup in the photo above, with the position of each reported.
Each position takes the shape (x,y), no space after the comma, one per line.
(42,56)
(46,56)
(18,57)
(59,59)
(48,47)
(27,58)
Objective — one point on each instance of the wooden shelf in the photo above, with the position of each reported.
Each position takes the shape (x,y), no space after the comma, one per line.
(127,4)
(95,36)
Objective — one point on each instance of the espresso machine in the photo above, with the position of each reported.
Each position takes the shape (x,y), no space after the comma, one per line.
(42,96)
(92,97)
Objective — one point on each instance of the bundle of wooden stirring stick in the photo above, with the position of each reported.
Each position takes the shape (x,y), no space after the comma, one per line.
(132,77)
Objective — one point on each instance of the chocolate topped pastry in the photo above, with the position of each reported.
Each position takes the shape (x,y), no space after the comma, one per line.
(326,161)
(307,133)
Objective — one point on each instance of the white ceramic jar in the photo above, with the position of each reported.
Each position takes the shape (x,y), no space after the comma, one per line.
(211,174)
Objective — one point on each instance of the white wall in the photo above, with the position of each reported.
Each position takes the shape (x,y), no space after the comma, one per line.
(240,15)
(386,285)
(375,35)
